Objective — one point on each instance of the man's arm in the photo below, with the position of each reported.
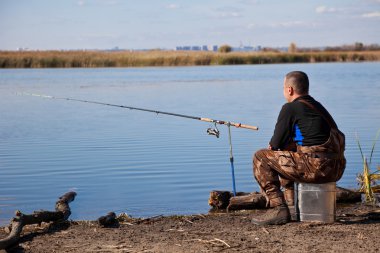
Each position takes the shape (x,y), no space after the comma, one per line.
(283,130)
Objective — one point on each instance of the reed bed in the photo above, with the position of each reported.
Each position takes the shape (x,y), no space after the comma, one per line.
(95,59)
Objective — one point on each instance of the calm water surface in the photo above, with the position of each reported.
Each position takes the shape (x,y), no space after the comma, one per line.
(146,164)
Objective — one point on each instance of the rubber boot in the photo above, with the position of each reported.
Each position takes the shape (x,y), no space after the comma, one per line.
(289,197)
(278,215)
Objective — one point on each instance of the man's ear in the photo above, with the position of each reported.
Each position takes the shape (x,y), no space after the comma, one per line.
(290,90)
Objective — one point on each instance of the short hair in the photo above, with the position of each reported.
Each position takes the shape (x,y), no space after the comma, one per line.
(299,81)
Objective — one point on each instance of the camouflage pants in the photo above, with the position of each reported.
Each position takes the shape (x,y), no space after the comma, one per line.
(273,169)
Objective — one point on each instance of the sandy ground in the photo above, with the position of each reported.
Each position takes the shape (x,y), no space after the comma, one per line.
(357,229)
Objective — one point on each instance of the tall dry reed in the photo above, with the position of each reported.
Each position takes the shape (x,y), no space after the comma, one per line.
(92,59)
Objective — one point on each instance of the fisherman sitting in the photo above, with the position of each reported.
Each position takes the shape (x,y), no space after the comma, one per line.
(306,147)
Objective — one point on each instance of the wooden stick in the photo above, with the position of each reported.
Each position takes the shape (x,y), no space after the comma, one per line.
(254,200)
(62,212)
(219,240)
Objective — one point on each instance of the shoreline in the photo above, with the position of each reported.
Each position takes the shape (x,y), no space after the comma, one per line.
(355,229)
(125,59)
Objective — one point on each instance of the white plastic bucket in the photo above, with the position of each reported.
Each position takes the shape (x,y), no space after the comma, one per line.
(315,202)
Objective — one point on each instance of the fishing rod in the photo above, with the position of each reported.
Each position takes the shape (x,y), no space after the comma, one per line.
(210,131)
(221,122)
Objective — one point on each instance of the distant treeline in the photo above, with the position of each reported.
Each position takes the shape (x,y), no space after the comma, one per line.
(358,46)
(92,59)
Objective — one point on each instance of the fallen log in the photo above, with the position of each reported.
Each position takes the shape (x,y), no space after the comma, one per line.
(254,200)
(219,199)
(62,213)
(225,200)
(344,195)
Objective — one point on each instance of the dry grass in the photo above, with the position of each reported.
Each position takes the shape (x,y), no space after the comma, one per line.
(369,181)
(90,59)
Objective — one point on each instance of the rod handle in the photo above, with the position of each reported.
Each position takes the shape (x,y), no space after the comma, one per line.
(207,120)
(245,126)
(231,123)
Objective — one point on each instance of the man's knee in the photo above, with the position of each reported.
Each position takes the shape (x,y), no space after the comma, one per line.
(259,155)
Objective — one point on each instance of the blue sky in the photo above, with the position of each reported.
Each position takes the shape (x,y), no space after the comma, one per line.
(141,24)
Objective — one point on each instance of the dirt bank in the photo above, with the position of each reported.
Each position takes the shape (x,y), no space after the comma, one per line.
(357,229)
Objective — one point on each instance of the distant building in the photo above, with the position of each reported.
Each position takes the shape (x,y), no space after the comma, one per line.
(197,48)
(20,49)
(114,49)
(183,48)
(246,48)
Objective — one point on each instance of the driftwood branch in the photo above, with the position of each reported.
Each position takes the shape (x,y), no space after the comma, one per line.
(255,200)
(344,195)
(62,213)
(242,200)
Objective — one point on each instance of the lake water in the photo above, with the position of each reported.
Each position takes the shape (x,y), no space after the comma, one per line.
(146,164)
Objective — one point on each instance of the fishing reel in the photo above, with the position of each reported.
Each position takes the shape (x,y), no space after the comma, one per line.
(213,131)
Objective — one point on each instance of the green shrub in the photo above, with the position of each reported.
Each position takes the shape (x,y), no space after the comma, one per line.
(225,49)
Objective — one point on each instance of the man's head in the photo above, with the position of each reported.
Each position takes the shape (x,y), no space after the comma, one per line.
(296,84)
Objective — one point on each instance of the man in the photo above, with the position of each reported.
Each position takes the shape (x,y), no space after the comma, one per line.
(306,147)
